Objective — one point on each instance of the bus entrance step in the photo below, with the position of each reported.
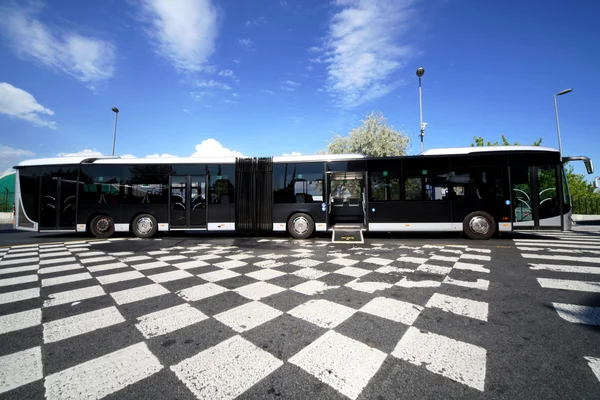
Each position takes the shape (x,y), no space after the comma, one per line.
(347,236)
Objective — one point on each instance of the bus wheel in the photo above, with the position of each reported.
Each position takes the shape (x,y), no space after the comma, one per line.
(479,225)
(102,226)
(144,226)
(300,226)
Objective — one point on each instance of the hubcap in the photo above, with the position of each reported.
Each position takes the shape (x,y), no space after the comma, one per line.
(103,225)
(479,225)
(144,225)
(300,225)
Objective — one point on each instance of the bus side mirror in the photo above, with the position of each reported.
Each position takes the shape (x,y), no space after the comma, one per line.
(589,166)
(597,182)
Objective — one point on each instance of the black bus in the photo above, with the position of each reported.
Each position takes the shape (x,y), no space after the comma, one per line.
(475,190)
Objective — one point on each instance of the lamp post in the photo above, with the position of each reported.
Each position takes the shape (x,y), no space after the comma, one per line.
(420,73)
(558,123)
(116,111)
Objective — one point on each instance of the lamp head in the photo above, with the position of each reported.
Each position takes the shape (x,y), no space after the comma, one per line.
(115,109)
(420,71)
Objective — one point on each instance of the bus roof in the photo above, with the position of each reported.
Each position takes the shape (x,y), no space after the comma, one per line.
(74,160)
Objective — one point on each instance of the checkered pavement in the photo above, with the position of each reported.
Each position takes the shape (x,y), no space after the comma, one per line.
(212,321)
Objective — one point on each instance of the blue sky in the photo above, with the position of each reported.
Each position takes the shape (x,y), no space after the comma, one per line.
(272,77)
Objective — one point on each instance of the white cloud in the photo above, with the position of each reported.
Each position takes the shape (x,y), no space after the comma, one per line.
(237,61)
(293,153)
(226,72)
(256,22)
(183,32)
(212,148)
(235,94)
(185,110)
(199,95)
(362,48)
(247,44)
(267,92)
(292,83)
(287,88)
(212,84)
(89,60)
(127,156)
(10,152)
(309,68)
(18,103)
(160,155)
(85,152)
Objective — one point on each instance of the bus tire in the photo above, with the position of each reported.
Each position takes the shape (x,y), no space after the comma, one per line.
(301,226)
(144,226)
(102,226)
(479,225)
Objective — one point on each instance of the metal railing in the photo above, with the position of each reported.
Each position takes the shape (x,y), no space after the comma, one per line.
(7,200)
(586,206)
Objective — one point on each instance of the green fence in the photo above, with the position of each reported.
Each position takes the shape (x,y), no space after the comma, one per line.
(7,200)
(586,205)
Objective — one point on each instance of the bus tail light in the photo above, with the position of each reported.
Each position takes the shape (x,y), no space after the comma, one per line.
(504,218)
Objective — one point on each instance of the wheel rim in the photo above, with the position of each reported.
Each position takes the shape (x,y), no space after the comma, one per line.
(144,225)
(300,225)
(103,225)
(479,225)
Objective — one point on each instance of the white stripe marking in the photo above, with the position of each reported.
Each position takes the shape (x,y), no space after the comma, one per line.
(457,305)
(20,255)
(200,292)
(226,370)
(170,276)
(92,254)
(323,313)
(478,250)
(577,269)
(55,254)
(247,316)
(66,279)
(150,265)
(481,284)
(417,284)
(71,296)
(59,268)
(18,280)
(258,290)
(19,295)
(138,293)
(594,364)
(57,260)
(395,310)
(459,361)
(20,368)
(444,258)
(76,325)
(169,320)
(97,259)
(20,320)
(104,375)
(310,288)
(471,267)
(136,258)
(368,287)
(554,244)
(19,261)
(119,277)
(434,269)
(107,267)
(467,256)
(190,264)
(565,284)
(578,314)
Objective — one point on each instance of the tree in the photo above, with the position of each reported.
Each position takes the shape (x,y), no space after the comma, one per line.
(478,141)
(374,137)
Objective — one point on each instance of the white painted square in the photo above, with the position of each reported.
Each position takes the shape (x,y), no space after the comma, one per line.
(107,267)
(266,274)
(462,362)
(172,258)
(60,280)
(18,280)
(272,256)
(395,310)
(200,292)
(158,252)
(406,283)
(481,284)
(352,271)
(310,273)
(578,314)
(20,320)
(471,267)
(76,325)
(231,264)
(393,270)
(311,288)
(19,295)
(26,268)
(59,268)
(240,256)
(121,254)
(168,320)
(467,256)
(92,254)
(217,276)
(258,290)
(12,255)
(104,375)
(55,254)
(413,260)
(190,264)
(71,296)
(457,305)
(378,261)
(323,313)
(90,260)
(170,276)
(434,269)
(4,262)
(444,258)
(594,364)
(345,364)
(567,284)
(306,263)
(368,287)
(478,250)
(247,316)
(21,368)
(206,257)
(149,265)
(138,293)
(136,258)
(269,264)
(343,261)
(226,370)
(119,277)
(459,252)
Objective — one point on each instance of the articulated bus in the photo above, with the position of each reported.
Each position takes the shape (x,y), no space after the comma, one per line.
(476,190)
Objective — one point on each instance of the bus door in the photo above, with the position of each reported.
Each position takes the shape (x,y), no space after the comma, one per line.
(187,202)
(346,198)
(57,203)
(536,197)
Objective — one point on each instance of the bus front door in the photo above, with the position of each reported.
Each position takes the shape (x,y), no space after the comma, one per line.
(536,197)
(57,204)
(187,202)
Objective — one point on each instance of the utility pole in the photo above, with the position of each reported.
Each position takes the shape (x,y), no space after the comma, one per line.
(420,73)
(116,111)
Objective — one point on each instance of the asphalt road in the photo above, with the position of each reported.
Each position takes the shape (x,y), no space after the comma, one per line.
(433,316)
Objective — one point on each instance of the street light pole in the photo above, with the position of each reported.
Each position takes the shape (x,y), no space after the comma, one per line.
(420,73)
(558,123)
(116,111)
